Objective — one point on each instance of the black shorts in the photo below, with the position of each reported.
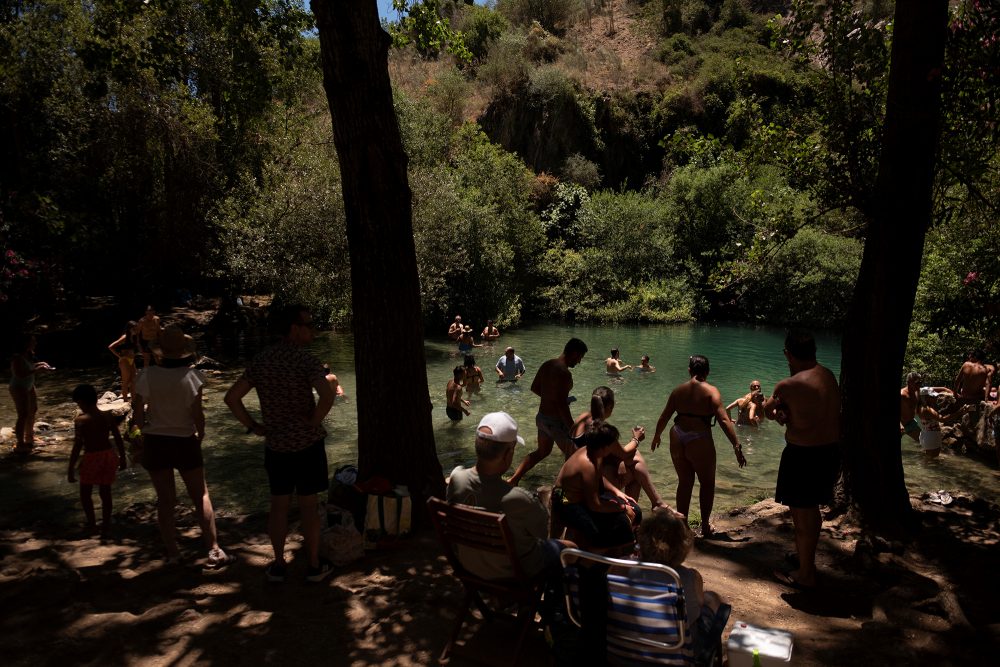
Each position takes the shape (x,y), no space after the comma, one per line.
(165,452)
(598,529)
(807,474)
(454,414)
(304,472)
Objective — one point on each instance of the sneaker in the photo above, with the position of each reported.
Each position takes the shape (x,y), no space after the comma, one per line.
(317,574)
(219,559)
(275,572)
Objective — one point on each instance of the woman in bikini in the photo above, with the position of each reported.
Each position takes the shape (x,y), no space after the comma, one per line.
(692,450)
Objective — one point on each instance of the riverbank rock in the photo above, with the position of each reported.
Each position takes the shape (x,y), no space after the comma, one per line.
(115,404)
(975,432)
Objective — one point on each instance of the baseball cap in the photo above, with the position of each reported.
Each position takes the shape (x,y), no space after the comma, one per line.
(503,427)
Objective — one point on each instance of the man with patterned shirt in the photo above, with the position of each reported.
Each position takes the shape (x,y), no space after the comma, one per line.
(285,376)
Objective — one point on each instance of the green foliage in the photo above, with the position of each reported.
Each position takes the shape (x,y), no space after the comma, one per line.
(284,232)
(735,14)
(617,267)
(507,70)
(429,32)
(578,169)
(808,282)
(476,236)
(481,28)
(448,94)
(553,15)
(130,120)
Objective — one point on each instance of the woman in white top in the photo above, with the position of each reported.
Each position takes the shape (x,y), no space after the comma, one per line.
(167,406)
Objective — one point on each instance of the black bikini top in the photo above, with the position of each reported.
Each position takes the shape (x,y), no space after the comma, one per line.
(709,420)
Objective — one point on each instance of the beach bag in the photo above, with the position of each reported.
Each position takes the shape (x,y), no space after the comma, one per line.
(341,544)
(345,494)
(388,518)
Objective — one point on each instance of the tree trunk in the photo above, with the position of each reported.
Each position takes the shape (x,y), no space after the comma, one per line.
(875,339)
(395,437)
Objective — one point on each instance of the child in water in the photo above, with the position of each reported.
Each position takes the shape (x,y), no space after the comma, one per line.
(91,431)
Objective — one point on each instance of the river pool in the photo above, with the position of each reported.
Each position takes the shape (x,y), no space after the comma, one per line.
(234,461)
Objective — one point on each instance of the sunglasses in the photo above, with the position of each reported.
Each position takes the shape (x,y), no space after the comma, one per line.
(755,386)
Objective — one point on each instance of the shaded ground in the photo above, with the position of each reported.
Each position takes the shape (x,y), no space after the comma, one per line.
(86,602)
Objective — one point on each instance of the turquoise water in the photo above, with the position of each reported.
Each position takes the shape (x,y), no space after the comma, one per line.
(738,354)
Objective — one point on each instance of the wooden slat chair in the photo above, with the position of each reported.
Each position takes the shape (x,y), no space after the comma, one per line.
(640,618)
(487,531)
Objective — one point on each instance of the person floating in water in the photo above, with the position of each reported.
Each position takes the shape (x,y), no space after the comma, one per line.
(91,432)
(644,366)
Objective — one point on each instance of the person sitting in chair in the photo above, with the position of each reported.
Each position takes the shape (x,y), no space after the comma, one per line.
(482,486)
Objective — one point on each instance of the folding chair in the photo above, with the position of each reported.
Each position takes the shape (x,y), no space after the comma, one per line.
(467,527)
(633,611)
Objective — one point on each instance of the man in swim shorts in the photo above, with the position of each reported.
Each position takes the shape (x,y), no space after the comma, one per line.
(908,396)
(808,405)
(552,384)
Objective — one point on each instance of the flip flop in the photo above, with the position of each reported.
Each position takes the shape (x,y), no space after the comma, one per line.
(788,580)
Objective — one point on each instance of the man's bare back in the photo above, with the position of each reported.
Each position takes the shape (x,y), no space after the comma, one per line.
(970,385)
(811,403)
(552,384)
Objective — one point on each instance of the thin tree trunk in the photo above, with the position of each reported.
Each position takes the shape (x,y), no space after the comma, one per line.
(875,340)
(395,437)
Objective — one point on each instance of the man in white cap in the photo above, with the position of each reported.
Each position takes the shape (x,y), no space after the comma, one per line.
(482,486)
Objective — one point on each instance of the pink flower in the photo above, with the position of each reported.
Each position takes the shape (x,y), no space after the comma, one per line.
(971,277)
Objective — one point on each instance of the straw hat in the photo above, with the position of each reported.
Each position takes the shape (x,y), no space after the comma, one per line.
(175,344)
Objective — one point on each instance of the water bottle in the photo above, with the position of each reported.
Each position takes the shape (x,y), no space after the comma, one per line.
(756,658)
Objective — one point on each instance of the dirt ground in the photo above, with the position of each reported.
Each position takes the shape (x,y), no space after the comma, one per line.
(89,602)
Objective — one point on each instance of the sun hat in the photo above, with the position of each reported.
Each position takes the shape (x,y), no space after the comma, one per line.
(175,344)
(502,426)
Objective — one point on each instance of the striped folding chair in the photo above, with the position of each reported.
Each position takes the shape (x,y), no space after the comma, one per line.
(633,611)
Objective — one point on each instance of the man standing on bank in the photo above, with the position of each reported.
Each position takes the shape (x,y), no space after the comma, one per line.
(807,404)
(285,376)
(552,384)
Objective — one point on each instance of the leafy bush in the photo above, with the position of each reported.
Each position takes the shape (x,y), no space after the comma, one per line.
(507,69)
(578,169)
(553,15)
(809,281)
(616,269)
(448,94)
(481,27)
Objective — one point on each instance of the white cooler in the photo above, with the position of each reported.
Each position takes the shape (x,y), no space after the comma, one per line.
(773,646)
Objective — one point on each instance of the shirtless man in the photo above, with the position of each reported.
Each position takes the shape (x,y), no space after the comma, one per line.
(807,404)
(970,383)
(613,364)
(490,332)
(455,330)
(552,384)
(149,334)
(908,396)
(456,404)
(601,514)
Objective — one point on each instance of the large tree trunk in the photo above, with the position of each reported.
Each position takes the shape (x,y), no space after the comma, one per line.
(879,321)
(395,437)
